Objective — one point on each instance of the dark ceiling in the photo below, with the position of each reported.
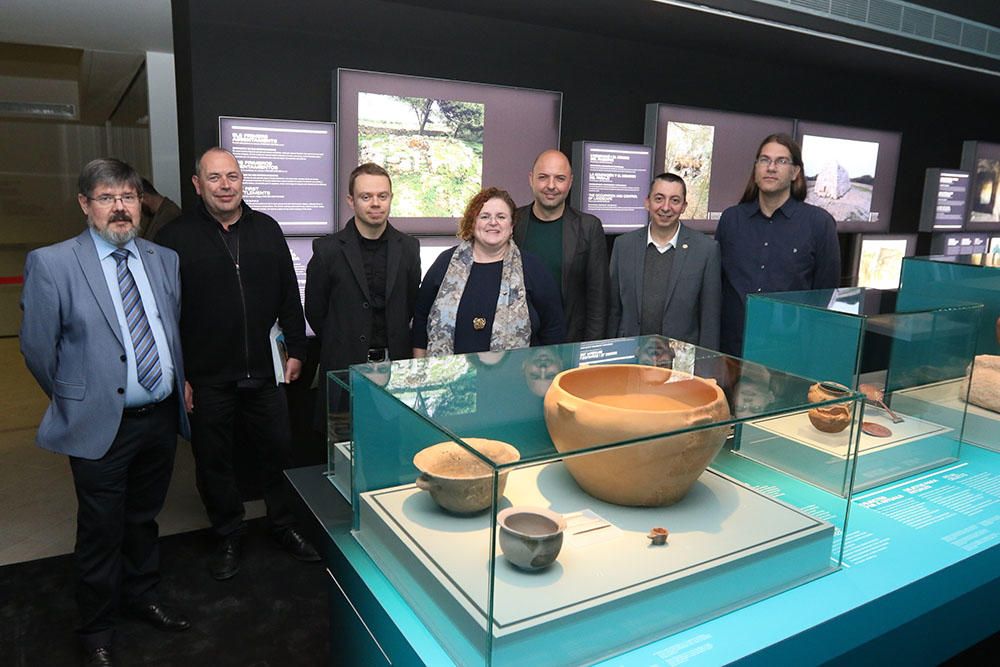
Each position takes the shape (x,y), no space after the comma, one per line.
(687,27)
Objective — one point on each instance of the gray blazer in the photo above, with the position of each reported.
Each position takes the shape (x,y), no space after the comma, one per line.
(72,342)
(691,312)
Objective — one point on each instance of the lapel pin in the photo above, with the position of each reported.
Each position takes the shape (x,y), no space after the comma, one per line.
(685,246)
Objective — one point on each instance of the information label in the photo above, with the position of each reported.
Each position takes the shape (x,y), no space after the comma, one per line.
(301,251)
(287,170)
(614,181)
(946,197)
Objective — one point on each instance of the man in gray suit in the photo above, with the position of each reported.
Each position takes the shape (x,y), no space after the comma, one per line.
(100,336)
(665,278)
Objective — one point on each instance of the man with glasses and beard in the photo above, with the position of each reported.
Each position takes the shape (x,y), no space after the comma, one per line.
(100,334)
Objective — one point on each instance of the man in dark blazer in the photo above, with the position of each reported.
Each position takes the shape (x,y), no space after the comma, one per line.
(665,278)
(361,285)
(570,243)
(100,335)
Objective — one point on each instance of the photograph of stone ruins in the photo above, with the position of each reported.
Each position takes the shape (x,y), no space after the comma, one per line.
(432,147)
(840,174)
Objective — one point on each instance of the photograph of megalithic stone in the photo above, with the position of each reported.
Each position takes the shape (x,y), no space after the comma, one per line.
(839,175)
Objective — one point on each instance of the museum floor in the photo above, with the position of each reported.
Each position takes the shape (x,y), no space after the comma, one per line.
(37,502)
(273,613)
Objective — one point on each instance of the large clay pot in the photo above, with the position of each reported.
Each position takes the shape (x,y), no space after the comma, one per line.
(598,405)
(832,418)
(457,480)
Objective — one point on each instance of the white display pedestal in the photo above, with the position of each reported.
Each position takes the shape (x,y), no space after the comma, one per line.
(728,545)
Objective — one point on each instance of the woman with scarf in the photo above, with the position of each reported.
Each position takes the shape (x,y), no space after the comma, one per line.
(486,294)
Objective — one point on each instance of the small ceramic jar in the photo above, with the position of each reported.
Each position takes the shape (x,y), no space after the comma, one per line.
(832,418)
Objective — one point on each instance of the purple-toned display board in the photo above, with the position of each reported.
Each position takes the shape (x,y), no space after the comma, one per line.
(946,197)
(288,170)
(611,181)
(713,151)
(850,172)
(982,161)
(441,141)
(301,250)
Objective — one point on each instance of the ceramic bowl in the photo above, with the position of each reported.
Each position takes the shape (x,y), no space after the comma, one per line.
(832,418)
(457,480)
(530,537)
(597,405)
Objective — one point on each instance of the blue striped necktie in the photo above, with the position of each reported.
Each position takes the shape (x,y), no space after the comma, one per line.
(147,361)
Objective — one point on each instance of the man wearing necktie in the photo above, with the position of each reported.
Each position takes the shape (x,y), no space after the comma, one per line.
(100,335)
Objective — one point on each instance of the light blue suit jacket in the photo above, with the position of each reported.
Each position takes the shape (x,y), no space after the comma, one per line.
(691,311)
(72,342)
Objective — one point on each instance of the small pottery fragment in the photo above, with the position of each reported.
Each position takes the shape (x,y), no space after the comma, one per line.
(530,537)
(658,536)
(832,418)
(457,480)
(599,405)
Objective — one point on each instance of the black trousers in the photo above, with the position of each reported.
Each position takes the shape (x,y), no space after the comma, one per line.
(264,411)
(117,539)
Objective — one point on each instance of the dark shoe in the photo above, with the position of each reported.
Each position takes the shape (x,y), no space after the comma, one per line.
(98,657)
(293,542)
(160,618)
(225,562)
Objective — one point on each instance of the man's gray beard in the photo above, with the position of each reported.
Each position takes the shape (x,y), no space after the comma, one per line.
(116,238)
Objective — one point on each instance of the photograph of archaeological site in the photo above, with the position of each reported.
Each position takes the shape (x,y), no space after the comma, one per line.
(840,175)
(689,155)
(432,147)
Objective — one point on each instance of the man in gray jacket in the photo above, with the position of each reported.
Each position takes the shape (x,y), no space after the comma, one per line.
(665,278)
(100,335)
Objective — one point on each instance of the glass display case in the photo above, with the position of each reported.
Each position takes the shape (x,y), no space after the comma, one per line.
(974,278)
(893,353)
(339,431)
(576,501)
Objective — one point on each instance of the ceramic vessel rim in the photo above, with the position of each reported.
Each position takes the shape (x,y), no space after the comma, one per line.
(507,447)
(555,517)
(687,377)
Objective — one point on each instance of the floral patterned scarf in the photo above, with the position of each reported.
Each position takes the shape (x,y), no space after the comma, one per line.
(511,324)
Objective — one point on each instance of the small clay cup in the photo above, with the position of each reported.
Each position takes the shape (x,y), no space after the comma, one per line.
(832,418)
(530,537)
(457,480)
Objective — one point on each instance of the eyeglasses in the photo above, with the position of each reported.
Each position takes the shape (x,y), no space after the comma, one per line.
(499,217)
(765,161)
(106,201)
